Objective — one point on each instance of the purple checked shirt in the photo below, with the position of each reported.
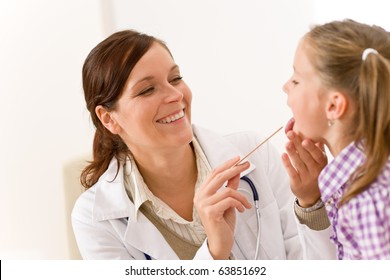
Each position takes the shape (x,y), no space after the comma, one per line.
(361,228)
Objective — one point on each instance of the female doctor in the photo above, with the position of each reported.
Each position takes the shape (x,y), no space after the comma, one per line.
(160,188)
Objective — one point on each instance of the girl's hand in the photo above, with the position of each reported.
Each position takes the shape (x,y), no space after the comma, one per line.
(216,206)
(304,161)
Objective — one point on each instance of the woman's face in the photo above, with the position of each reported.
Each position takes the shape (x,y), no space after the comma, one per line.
(154,110)
(306,97)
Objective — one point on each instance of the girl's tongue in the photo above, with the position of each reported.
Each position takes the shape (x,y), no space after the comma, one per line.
(290,125)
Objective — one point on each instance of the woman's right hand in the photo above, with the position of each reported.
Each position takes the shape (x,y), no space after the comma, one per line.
(216,206)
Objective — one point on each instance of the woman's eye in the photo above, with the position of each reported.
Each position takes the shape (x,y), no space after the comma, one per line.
(294,82)
(146,91)
(176,80)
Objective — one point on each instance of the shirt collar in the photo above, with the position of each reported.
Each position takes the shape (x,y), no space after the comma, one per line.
(134,184)
(336,174)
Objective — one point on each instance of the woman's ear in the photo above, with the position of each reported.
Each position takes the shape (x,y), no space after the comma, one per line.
(106,118)
(336,105)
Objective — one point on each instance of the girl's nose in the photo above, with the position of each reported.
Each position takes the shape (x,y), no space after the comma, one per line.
(285,87)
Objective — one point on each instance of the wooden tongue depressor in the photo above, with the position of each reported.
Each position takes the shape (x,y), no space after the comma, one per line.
(258,146)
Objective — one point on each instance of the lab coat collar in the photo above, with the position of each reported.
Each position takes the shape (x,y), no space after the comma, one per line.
(218,149)
(111,199)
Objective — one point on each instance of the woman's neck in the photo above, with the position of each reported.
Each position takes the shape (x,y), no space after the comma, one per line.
(171,176)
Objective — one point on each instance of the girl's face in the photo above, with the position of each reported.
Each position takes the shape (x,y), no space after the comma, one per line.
(306,97)
(154,110)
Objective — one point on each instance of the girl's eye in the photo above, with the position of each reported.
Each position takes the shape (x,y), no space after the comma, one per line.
(176,80)
(294,82)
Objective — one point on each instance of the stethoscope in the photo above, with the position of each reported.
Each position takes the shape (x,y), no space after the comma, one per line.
(257,209)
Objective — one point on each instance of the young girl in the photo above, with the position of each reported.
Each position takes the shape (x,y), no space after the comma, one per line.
(340,96)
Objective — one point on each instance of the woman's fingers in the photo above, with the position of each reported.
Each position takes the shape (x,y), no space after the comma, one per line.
(216,206)
(229,194)
(234,182)
(221,168)
(219,209)
(222,174)
(205,197)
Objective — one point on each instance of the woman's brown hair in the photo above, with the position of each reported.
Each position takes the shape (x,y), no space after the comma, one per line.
(104,74)
(335,50)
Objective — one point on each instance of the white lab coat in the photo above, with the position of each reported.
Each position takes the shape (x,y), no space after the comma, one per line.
(105,227)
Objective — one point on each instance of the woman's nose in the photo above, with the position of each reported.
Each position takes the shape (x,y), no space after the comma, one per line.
(173,95)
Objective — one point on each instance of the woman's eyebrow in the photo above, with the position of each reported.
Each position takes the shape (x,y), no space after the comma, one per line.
(148,78)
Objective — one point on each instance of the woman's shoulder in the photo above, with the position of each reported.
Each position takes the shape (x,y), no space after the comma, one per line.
(83,206)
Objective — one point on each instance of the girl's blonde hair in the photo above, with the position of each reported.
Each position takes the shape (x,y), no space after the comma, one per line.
(335,50)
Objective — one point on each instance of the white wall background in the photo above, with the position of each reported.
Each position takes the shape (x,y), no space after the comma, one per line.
(235,55)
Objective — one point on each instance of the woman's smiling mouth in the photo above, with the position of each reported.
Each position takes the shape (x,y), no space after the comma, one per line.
(172,118)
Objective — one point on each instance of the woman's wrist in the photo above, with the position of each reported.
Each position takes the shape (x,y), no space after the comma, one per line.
(219,254)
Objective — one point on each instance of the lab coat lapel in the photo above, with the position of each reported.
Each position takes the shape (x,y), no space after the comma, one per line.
(112,202)
(217,149)
(144,236)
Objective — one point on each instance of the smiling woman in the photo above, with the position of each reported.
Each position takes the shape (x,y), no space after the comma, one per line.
(153,111)
(159,187)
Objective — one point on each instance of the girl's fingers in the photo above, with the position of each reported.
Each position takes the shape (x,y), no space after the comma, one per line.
(317,151)
(295,159)
(292,173)
(304,154)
